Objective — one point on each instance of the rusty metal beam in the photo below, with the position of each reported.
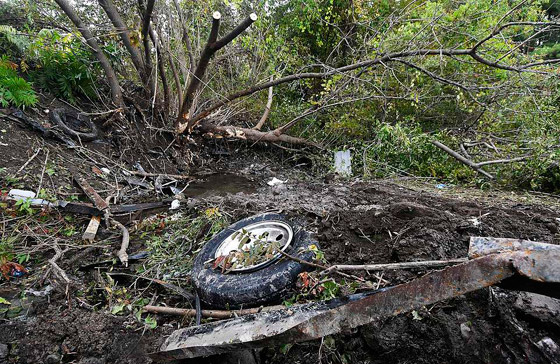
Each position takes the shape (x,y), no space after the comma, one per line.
(312,321)
(514,263)
(481,246)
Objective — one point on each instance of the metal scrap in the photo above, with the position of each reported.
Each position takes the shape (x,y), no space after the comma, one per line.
(311,321)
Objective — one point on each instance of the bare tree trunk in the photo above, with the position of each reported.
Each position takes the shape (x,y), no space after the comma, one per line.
(116,93)
(122,29)
(212,46)
(148,66)
(264,116)
(161,68)
(177,81)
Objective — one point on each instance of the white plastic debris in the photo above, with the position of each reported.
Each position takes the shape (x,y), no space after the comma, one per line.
(175,204)
(21,194)
(275,182)
(17,195)
(476,221)
(43,293)
(343,163)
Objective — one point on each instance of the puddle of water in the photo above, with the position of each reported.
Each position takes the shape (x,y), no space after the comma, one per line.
(220,185)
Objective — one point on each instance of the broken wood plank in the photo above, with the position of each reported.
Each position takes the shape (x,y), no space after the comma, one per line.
(91,230)
(120,209)
(99,202)
(79,208)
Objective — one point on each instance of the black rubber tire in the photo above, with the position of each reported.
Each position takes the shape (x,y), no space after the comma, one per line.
(59,116)
(267,285)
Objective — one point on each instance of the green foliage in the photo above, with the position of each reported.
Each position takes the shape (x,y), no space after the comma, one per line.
(14,90)
(402,149)
(63,65)
(12,43)
(173,242)
(24,206)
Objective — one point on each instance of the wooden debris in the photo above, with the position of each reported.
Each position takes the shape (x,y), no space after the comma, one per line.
(217,314)
(100,203)
(91,230)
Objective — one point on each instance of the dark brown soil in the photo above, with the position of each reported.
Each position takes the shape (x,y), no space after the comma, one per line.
(353,222)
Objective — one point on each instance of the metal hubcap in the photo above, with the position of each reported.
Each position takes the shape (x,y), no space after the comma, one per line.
(269,231)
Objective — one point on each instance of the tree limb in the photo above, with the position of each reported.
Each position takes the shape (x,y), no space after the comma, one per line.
(390,57)
(124,34)
(212,46)
(98,52)
(461,159)
(217,314)
(264,116)
(252,134)
(428,264)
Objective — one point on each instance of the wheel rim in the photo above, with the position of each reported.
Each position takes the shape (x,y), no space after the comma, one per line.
(277,231)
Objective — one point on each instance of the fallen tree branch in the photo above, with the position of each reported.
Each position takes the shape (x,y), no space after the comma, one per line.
(394,266)
(462,159)
(498,161)
(59,117)
(252,134)
(217,314)
(121,254)
(473,165)
(324,268)
(59,271)
(172,176)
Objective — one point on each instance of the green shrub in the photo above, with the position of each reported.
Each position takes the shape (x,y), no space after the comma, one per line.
(14,90)
(63,65)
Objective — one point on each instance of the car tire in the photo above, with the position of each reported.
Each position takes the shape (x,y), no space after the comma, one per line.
(269,284)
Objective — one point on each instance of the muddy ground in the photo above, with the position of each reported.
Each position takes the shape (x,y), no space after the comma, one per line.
(354,222)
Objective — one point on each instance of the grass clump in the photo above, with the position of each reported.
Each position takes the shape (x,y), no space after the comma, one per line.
(174,241)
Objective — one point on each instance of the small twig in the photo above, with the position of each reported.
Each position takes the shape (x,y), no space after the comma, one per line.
(394,266)
(28,161)
(218,314)
(319,266)
(42,174)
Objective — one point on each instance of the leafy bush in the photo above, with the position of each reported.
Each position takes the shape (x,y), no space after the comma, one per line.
(14,90)
(63,65)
